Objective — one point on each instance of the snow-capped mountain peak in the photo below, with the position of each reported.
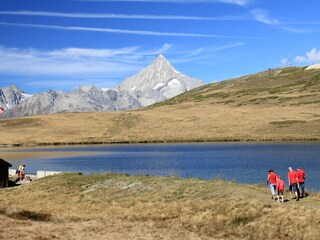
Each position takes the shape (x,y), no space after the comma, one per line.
(11,96)
(157,82)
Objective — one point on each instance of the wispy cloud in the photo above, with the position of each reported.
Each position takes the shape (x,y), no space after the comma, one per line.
(204,53)
(75,61)
(263,16)
(297,30)
(235,2)
(121,31)
(95,63)
(123,16)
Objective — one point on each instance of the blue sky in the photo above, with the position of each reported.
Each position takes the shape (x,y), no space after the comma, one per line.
(64,44)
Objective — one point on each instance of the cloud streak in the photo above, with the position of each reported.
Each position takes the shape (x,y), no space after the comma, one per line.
(74,61)
(234,2)
(263,16)
(119,31)
(94,63)
(204,54)
(123,16)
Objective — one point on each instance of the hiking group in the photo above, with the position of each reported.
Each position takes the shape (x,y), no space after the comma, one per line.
(296,184)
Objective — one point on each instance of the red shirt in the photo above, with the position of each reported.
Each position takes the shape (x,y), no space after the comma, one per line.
(301,175)
(280,185)
(292,175)
(272,178)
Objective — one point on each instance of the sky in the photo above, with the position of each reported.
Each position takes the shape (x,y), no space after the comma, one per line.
(63,44)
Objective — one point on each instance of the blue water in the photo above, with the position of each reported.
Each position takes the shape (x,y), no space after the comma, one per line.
(242,162)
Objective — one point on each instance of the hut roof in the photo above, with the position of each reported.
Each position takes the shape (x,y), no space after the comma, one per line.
(4,163)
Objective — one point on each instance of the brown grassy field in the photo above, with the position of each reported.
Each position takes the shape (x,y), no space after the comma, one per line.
(177,123)
(106,206)
(275,105)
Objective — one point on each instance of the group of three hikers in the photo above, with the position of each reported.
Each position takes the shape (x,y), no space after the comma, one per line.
(296,184)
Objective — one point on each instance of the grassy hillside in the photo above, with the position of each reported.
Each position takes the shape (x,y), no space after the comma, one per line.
(277,104)
(73,206)
(289,86)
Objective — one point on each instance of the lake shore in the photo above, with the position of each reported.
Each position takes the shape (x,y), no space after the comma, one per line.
(108,206)
(44,144)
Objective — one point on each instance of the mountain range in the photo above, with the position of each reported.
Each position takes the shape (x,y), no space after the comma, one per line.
(157,82)
(280,104)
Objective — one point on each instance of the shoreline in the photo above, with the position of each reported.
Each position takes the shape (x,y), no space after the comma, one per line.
(289,140)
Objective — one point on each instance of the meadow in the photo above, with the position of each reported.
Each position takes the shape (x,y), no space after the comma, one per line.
(108,206)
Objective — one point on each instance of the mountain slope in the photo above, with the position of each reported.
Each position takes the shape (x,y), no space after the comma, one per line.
(283,86)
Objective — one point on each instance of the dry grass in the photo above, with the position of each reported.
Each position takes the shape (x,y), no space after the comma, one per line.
(73,206)
(174,123)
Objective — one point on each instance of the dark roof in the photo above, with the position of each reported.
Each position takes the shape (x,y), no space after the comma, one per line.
(4,163)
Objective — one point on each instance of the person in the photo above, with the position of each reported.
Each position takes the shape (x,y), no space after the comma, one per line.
(18,170)
(301,178)
(20,173)
(272,181)
(280,189)
(293,183)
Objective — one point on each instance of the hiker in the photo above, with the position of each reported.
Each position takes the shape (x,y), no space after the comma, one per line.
(20,173)
(18,170)
(280,189)
(293,183)
(301,178)
(272,181)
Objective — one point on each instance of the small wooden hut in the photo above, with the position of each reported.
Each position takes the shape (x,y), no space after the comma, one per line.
(4,173)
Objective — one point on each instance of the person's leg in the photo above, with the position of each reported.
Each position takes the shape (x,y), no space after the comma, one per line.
(272,190)
(290,191)
(296,192)
(302,189)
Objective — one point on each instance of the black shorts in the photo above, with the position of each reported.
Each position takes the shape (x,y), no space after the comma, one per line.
(280,192)
(293,187)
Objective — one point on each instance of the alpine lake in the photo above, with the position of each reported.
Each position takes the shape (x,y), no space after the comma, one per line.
(241,162)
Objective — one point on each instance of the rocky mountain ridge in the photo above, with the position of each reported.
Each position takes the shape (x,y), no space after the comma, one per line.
(157,82)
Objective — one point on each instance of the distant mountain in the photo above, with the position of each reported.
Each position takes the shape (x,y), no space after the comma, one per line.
(157,82)
(90,99)
(12,96)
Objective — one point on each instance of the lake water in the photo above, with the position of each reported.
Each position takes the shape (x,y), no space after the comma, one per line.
(242,162)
